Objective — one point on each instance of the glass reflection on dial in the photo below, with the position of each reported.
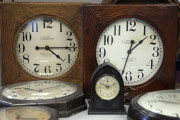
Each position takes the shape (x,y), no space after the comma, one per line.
(36,90)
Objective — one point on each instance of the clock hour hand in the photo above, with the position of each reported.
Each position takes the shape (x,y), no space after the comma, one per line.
(47,48)
(129,52)
(52,87)
(140,42)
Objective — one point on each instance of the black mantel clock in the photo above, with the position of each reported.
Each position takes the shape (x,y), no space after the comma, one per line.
(107,91)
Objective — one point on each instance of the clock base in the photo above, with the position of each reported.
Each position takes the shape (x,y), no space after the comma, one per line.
(73,111)
(103,111)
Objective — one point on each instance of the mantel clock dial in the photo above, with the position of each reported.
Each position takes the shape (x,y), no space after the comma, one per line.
(137,39)
(156,105)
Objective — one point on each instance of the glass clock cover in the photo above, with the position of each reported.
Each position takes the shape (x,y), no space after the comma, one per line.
(134,47)
(37,90)
(46,47)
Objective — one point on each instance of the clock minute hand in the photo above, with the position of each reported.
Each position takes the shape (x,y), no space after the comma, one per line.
(140,42)
(47,48)
(32,89)
(129,52)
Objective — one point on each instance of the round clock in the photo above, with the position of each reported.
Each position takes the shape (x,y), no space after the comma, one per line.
(134,46)
(45,92)
(28,113)
(107,91)
(39,90)
(156,105)
(107,87)
(46,47)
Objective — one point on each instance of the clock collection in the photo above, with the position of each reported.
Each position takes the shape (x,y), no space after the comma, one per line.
(45,61)
(139,41)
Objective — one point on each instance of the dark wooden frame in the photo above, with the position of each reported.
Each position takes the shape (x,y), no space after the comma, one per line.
(163,17)
(14,15)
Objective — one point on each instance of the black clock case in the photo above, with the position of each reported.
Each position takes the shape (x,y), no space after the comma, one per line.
(136,112)
(99,106)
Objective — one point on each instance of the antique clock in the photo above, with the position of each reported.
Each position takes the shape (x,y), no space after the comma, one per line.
(137,39)
(28,113)
(41,41)
(158,105)
(107,91)
(65,97)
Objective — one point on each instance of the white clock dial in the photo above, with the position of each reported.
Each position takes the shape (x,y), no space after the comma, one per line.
(107,88)
(46,47)
(134,47)
(44,89)
(164,102)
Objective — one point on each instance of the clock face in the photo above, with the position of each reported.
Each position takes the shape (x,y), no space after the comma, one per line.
(24,113)
(134,47)
(107,88)
(37,90)
(165,103)
(46,47)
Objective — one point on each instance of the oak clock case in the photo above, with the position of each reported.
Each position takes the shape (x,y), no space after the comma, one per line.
(44,41)
(107,91)
(136,40)
(66,97)
(156,105)
(28,112)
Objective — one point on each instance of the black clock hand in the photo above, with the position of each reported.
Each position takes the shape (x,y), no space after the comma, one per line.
(47,48)
(140,42)
(37,47)
(129,52)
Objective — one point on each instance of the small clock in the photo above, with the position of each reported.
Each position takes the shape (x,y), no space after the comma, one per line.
(41,41)
(156,105)
(136,40)
(28,113)
(107,91)
(45,92)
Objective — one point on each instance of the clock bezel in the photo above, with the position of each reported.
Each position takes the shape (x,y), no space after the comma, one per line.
(53,17)
(115,77)
(136,112)
(104,15)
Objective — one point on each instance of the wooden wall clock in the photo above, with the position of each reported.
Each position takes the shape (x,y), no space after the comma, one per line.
(41,41)
(137,39)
